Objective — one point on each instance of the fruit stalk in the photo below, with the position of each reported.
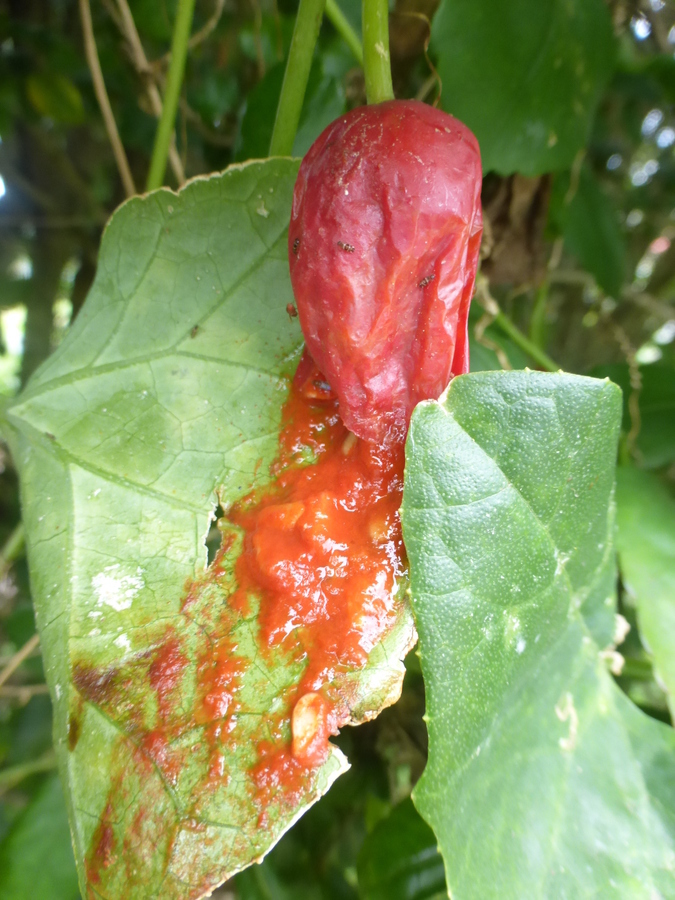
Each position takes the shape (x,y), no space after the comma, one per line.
(376,61)
(179,48)
(305,34)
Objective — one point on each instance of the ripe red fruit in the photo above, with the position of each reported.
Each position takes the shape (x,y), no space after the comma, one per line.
(383,248)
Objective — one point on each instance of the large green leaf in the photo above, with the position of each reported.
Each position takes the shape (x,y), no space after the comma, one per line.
(36,857)
(646,544)
(655,441)
(166,397)
(525,76)
(543,780)
(589,222)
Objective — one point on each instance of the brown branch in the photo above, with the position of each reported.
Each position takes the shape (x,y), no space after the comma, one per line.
(23,692)
(653,305)
(13,775)
(144,69)
(18,658)
(103,101)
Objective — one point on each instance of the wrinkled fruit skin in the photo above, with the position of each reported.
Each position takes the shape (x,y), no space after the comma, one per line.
(383,247)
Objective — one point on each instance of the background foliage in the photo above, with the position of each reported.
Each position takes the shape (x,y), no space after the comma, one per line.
(573,105)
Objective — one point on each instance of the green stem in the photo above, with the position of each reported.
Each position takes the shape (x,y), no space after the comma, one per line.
(341,24)
(305,34)
(502,321)
(179,48)
(377,65)
(13,548)
(638,669)
(538,319)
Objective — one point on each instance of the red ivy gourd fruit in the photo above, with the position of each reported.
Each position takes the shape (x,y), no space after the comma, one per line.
(383,247)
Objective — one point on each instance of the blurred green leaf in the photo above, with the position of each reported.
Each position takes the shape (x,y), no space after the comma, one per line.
(400,859)
(352,12)
(260,882)
(154,20)
(266,43)
(56,97)
(656,74)
(215,94)
(543,779)
(589,222)
(646,545)
(36,857)
(656,437)
(525,76)
(324,102)
(30,729)
(257,121)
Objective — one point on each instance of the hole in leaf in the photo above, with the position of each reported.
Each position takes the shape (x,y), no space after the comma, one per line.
(214,538)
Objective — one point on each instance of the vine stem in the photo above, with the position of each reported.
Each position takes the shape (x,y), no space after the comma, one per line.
(502,321)
(142,66)
(377,64)
(103,100)
(18,658)
(341,24)
(305,34)
(538,319)
(179,48)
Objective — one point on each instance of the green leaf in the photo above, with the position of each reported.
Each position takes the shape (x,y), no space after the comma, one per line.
(36,857)
(589,222)
(166,397)
(325,99)
(656,436)
(324,102)
(525,76)
(646,545)
(400,861)
(260,883)
(543,780)
(257,122)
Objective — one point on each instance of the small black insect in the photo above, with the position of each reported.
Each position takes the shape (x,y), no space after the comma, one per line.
(52,437)
(426,280)
(348,248)
(296,244)
(292,311)
(194,331)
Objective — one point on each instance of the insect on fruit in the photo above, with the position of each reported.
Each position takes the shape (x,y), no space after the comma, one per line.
(403,181)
